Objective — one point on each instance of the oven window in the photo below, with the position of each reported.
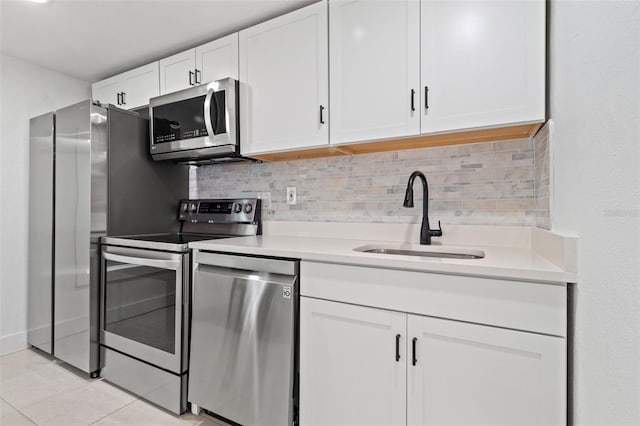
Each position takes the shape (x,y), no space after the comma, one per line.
(140,304)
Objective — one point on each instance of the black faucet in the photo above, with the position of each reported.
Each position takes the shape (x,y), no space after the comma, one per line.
(425,230)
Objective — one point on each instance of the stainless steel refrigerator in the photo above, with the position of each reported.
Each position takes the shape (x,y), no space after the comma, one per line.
(91,175)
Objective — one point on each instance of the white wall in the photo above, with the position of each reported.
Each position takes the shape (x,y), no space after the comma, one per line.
(27,90)
(595,104)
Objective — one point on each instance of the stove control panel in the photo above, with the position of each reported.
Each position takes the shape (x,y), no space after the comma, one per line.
(243,210)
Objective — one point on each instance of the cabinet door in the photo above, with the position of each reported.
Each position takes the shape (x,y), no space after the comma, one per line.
(468,374)
(106,91)
(483,63)
(374,68)
(284,82)
(177,72)
(140,84)
(217,59)
(349,374)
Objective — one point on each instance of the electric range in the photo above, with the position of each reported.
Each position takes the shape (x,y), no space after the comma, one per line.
(145,297)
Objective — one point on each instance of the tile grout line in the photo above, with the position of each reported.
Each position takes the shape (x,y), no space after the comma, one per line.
(88,382)
(114,411)
(71,389)
(17,410)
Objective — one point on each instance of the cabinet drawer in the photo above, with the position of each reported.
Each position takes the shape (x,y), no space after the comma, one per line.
(528,306)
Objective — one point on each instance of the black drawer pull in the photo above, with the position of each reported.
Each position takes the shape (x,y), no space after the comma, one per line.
(426,97)
(414,361)
(413,100)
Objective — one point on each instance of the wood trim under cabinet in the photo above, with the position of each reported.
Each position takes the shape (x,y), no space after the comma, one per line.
(472,136)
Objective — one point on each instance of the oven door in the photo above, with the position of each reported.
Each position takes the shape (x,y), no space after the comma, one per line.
(145,300)
(195,118)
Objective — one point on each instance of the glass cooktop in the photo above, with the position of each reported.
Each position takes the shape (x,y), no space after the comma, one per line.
(174,238)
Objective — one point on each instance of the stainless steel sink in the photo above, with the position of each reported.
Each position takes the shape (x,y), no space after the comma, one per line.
(407,250)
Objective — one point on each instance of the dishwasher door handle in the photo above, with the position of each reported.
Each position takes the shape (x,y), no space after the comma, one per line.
(246,263)
(154,263)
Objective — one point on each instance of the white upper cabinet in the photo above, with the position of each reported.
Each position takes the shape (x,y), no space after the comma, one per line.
(140,84)
(483,63)
(215,60)
(374,69)
(178,72)
(131,89)
(108,91)
(469,374)
(218,59)
(353,365)
(284,82)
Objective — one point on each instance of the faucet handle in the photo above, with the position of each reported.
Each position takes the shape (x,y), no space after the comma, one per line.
(436,232)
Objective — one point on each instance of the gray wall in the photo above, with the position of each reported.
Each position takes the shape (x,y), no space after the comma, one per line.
(595,106)
(27,91)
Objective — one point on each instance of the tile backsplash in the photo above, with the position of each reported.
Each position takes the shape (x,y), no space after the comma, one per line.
(542,176)
(482,183)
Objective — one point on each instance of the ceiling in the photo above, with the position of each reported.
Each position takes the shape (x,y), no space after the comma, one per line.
(94,39)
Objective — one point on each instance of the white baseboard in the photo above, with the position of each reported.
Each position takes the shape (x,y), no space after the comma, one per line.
(13,343)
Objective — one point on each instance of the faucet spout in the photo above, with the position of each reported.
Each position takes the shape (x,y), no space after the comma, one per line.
(425,230)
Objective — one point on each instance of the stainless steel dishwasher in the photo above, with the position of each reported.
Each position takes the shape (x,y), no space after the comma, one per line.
(244,338)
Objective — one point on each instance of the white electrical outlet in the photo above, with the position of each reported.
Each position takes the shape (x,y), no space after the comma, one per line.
(266,200)
(292,197)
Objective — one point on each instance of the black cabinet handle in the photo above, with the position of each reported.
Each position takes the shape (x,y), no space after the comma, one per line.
(190,78)
(426,97)
(118,98)
(124,101)
(413,100)
(397,347)
(322,117)
(198,80)
(414,361)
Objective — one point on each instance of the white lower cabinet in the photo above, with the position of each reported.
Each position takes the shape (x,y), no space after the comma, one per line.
(469,374)
(348,369)
(370,366)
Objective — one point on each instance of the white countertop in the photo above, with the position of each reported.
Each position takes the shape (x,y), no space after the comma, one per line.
(516,263)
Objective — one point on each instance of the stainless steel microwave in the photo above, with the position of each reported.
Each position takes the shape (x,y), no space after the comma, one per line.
(196,125)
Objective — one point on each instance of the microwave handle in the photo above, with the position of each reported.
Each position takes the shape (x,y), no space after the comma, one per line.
(207,111)
(154,263)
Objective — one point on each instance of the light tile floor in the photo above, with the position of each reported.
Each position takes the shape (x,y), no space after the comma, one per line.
(37,390)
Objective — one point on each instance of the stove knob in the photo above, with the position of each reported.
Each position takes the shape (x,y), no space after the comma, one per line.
(193,207)
(247,208)
(237,208)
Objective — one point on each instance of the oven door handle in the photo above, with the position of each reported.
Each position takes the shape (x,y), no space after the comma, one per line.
(207,112)
(154,263)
